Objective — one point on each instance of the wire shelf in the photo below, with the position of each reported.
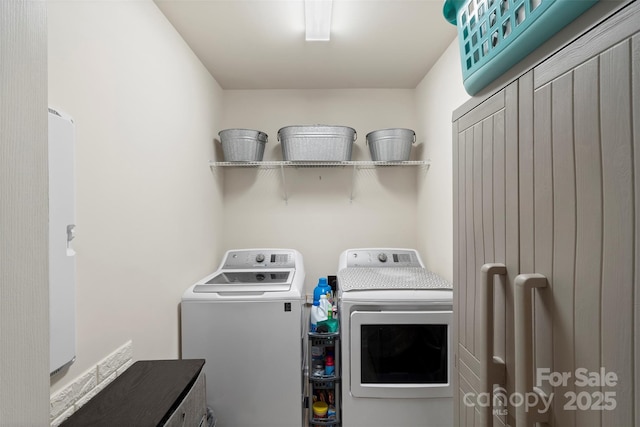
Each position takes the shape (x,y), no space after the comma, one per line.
(296,164)
(356,165)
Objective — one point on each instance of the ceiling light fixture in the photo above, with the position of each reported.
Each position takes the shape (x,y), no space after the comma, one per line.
(317,16)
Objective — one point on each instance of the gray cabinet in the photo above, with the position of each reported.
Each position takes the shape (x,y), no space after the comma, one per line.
(192,410)
(485,212)
(546,188)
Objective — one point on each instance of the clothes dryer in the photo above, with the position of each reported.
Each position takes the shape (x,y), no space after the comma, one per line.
(396,324)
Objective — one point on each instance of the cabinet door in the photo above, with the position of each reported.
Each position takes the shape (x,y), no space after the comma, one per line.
(193,408)
(579,156)
(485,177)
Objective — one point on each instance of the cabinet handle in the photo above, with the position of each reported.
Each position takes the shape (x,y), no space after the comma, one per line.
(524,363)
(493,368)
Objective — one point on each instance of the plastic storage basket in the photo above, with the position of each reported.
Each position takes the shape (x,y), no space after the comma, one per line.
(494,35)
(317,143)
(242,145)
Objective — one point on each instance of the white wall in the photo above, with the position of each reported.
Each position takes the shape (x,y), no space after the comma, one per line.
(152,217)
(439,93)
(148,207)
(319,220)
(24,251)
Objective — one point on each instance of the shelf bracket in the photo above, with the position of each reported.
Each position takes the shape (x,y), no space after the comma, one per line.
(284,184)
(353,180)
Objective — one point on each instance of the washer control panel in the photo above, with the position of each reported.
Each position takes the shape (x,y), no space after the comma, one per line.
(380,257)
(259,258)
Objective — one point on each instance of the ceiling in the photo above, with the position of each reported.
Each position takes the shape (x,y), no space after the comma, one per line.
(259,44)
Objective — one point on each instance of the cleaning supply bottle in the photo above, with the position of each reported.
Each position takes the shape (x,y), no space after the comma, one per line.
(322,288)
(317,361)
(317,315)
(325,305)
(329,365)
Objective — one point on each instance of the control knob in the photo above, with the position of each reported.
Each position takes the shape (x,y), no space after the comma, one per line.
(260,258)
(382,257)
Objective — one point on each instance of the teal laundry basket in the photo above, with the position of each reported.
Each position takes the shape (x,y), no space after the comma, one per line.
(494,35)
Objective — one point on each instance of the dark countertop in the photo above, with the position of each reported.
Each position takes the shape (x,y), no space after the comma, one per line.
(146,394)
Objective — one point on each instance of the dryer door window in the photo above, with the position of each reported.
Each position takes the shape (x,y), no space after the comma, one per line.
(404,354)
(400,354)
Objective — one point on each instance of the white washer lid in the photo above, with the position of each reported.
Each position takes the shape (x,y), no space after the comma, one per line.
(247,281)
(364,279)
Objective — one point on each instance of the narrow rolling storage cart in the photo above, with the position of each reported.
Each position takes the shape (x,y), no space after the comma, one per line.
(324,379)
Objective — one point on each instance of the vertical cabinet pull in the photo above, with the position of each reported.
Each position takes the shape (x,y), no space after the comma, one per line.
(493,368)
(524,378)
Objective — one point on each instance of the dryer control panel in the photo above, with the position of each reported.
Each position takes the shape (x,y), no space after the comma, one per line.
(380,257)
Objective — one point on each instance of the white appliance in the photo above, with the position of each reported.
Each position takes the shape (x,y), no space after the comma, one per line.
(62,256)
(246,321)
(396,326)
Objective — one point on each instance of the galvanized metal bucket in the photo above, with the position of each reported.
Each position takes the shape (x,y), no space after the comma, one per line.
(391,145)
(317,143)
(242,145)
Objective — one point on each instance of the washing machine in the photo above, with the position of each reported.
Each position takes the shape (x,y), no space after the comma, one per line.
(396,324)
(246,321)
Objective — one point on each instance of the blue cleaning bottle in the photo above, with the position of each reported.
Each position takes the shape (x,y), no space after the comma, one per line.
(322,288)
(317,314)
